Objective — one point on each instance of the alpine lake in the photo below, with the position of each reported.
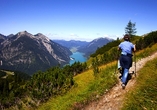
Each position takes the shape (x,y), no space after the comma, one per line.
(77,56)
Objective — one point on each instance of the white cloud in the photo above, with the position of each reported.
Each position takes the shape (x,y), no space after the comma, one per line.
(51,35)
(75,35)
(106,35)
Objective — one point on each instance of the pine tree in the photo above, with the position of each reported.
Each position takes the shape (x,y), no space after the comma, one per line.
(130,28)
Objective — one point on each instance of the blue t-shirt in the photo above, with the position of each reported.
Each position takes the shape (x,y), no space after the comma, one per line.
(126,47)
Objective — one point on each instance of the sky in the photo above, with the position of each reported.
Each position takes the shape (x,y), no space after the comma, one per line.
(83,20)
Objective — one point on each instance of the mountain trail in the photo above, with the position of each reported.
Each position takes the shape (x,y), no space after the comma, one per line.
(113,100)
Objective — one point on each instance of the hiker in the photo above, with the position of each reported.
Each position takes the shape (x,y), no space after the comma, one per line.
(125,59)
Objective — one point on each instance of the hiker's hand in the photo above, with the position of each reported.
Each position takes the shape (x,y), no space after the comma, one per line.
(134,47)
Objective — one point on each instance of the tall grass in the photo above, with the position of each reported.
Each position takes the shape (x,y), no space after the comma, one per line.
(144,94)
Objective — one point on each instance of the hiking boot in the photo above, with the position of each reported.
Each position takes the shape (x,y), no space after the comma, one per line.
(123,86)
(120,77)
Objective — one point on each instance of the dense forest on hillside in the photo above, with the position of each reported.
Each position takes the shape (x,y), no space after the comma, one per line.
(31,91)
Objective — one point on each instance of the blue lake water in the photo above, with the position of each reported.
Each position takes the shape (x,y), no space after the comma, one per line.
(77,56)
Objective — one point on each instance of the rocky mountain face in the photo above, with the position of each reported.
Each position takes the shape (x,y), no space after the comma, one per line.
(92,46)
(2,38)
(30,53)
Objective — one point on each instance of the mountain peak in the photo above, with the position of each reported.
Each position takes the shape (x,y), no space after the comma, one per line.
(24,33)
(104,38)
(109,38)
(39,34)
(42,37)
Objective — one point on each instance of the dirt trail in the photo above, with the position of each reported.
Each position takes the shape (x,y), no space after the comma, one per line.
(114,98)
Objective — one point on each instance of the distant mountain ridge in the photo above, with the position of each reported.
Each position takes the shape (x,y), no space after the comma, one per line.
(29,53)
(71,43)
(94,45)
(85,47)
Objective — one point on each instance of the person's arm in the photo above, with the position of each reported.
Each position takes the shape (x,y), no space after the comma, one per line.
(134,48)
(119,48)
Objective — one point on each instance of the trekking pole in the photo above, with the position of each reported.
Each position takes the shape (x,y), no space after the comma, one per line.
(117,56)
(135,63)
(116,68)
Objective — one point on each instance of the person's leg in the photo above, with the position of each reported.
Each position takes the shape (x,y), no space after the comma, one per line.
(121,71)
(124,77)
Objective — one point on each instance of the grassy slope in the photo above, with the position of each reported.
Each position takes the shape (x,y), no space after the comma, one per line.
(87,88)
(62,102)
(144,94)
